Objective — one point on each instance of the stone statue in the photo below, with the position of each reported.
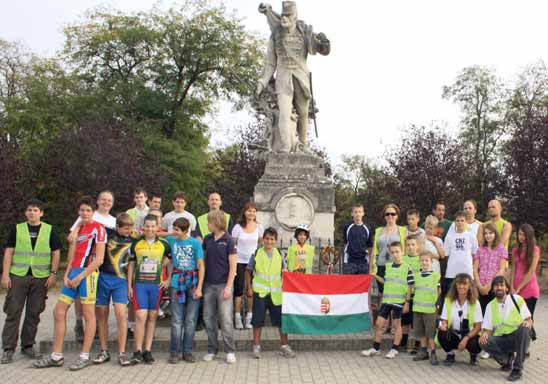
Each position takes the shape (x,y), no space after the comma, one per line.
(290,43)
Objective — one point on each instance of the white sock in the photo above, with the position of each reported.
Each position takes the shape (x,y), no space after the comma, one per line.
(84,355)
(249,315)
(56,356)
(238,314)
(131,325)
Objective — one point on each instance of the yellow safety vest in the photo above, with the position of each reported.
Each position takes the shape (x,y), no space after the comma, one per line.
(24,257)
(511,323)
(395,284)
(202,224)
(267,275)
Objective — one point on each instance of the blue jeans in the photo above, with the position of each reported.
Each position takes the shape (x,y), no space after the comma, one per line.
(183,318)
(218,310)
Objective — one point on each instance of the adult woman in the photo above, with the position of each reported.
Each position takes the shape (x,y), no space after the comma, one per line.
(384,236)
(460,320)
(490,260)
(432,243)
(248,236)
(526,257)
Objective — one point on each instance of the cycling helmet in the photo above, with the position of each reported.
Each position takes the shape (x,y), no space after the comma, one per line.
(302,227)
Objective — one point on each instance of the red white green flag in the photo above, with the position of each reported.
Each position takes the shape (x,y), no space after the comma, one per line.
(325,304)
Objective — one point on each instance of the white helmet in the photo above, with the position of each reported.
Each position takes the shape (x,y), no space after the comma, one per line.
(302,227)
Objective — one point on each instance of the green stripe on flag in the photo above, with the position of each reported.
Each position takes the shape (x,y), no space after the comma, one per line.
(327,325)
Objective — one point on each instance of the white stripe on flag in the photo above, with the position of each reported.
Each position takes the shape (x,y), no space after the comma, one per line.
(309,304)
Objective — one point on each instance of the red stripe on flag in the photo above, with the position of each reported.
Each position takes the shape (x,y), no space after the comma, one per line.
(325,284)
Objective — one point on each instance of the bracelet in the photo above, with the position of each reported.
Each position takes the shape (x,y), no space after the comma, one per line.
(53,272)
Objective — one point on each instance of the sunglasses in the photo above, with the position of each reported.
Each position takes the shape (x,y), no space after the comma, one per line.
(390,214)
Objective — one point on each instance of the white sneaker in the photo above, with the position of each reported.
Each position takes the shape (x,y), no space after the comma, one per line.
(248,321)
(230,358)
(392,353)
(209,357)
(484,355)
(370,352)
(238,321)
(256,351)
(286,351)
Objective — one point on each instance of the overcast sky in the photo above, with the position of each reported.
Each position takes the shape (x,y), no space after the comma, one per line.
(388,62)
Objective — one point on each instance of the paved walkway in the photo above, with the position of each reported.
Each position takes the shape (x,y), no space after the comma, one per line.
(328,367)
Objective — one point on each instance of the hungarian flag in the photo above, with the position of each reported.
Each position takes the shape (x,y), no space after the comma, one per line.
(325,304)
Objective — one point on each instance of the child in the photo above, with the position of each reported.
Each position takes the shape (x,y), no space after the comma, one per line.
(413,220)
(427,290)
(186,289)
(432,243)
(149,254)
(398,281)
(358,240)
(179,202)
(266,267)
(412,243)
(220,262)
(460,248)
(300,256)
(84,257)
(140,210)
(112,284)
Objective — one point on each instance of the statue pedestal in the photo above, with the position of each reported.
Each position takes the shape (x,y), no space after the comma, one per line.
(294,190)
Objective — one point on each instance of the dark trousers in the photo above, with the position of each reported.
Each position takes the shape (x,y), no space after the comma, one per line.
(484,300)
(33,292)
(501,347)
(449,341)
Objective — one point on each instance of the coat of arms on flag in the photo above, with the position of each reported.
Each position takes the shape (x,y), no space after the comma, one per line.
(325,304)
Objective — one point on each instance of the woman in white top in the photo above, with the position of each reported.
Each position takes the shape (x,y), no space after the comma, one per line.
(248,235)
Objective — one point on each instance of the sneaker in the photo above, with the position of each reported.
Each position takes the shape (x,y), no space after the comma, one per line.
(230,358)
(392,353)
(238,321)
(209,357)
(173,358)
(46,362)
(371,352)
(433,359)
(287,352)
(137,358)
(449,360)
(189,358)
(80,364)
(421,355)
(31,352)
(102,357)
(484,355)
(79,332)
(248,324)
(123,359)
(474,360)
(256,351)
(514,375)
(147,357)
(7,356)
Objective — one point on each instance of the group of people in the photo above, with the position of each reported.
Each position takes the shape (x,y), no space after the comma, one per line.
(448,282)
(445,280)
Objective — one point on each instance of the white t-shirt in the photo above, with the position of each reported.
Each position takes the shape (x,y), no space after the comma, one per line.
(430,247)
(170,217)
(504,309)
(108,221)
(456,319)
(473,228)
(460,249)
(246,243)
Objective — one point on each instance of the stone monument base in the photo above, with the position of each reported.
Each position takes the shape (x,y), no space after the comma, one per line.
(295,190)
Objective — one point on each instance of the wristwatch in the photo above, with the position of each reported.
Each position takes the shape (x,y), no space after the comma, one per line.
(54,273)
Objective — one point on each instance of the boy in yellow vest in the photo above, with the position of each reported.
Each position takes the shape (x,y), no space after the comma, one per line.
(265,268)
(31,260)
(427,290)
(398,282)
(300,256)
(412,244)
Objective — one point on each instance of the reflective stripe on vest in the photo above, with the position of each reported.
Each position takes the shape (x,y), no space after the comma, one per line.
(24,257)
(202,224)
(267,275)
(395,284)
(513,320)
(292,255)
(426,292)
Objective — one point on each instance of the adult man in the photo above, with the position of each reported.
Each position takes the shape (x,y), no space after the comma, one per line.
(214,203)
(358,240)
(504,227)
(506,329)
(290,43)
(443,224)
(470,208)
(31,261)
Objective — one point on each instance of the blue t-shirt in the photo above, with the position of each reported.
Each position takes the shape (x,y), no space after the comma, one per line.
(216,254)
(358,239)
(184,255)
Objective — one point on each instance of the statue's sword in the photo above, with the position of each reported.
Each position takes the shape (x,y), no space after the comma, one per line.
(313,104)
